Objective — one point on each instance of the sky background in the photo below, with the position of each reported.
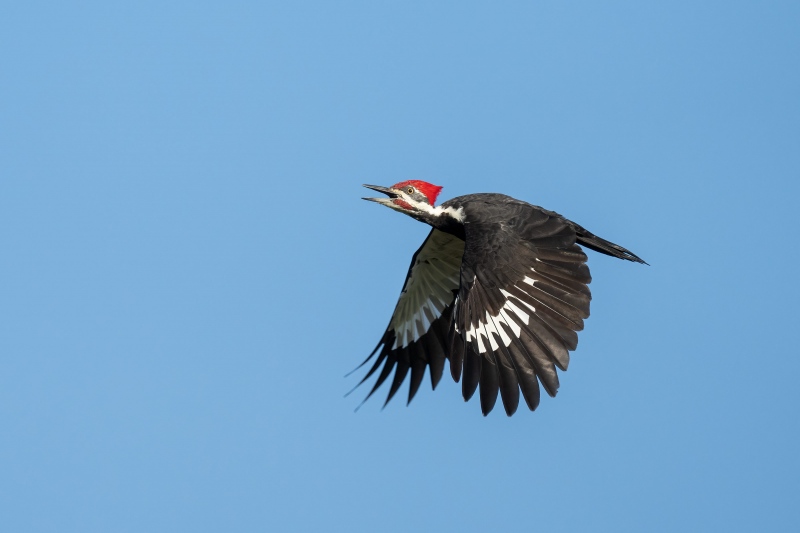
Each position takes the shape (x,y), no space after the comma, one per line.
(189,272)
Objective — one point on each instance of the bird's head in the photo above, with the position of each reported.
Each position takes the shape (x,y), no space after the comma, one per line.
(410,197)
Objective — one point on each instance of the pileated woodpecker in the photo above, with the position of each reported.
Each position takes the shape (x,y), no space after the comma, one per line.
(499,288)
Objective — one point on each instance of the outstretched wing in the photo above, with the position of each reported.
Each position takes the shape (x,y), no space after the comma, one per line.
(524,295)
(417,335)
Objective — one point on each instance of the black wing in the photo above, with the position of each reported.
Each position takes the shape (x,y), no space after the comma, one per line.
(524,295)
(417,335)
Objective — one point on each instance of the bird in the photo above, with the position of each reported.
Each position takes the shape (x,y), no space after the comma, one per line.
(499,288)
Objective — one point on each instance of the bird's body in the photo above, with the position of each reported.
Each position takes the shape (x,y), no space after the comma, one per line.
(499,288)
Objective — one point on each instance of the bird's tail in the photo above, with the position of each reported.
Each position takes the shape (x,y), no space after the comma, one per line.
(593,242)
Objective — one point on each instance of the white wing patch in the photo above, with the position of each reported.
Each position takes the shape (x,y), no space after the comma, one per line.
(429,287)
(511,313)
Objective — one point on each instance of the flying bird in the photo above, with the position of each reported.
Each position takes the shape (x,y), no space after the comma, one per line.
(499,288)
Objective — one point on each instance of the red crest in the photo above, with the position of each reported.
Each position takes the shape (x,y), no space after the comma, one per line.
(430,190)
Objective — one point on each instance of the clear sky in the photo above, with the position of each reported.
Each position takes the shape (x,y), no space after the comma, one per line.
(189,271)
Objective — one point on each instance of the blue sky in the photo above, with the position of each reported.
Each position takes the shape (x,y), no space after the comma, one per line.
(189,270)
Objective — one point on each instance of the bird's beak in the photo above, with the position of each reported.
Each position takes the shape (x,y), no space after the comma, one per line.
(388,192)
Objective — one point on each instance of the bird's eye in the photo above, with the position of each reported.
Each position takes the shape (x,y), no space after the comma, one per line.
(410,190)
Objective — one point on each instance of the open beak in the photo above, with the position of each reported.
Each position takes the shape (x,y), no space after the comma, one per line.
(388,192)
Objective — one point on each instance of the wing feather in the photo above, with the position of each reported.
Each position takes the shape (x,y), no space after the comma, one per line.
(417,335)
(400,373)
(471,375)
(526,298)
(457,351)
(490,384)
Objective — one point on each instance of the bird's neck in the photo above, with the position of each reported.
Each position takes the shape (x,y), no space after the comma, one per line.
(447,219)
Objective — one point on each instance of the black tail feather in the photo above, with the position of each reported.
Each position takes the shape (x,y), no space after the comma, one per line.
(593,242)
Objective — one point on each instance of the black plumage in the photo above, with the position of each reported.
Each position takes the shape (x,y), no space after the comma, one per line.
(499,289)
